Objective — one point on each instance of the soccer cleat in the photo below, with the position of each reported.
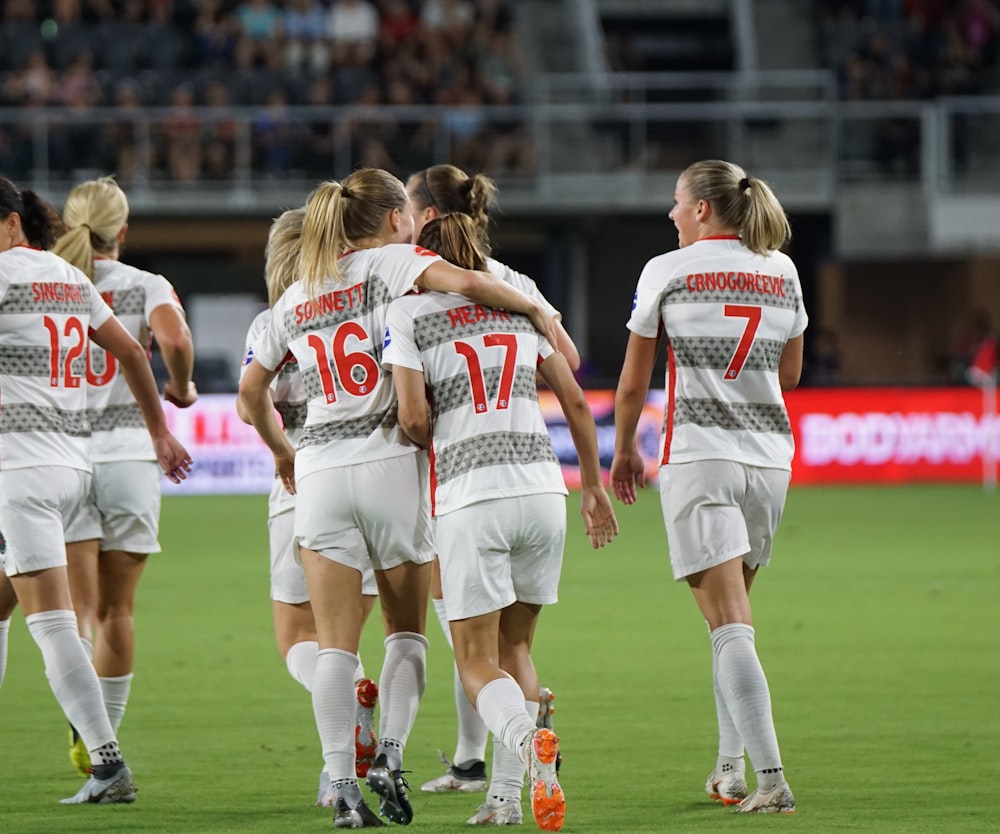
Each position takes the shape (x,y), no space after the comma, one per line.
(365,740)
(548,803)
(469,779)
(360,816)
(107,784)
(498,811)
(78,753)
(391,788)
(778,800)
(545,708)
(729,788)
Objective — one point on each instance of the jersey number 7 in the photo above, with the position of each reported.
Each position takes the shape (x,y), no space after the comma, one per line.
(752,315)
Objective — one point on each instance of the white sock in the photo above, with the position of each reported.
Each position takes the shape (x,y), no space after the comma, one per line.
(71,675)
(4,632)
(401,686)
(359,673)
(501,705)
(730,756)
(508,770)
(301,662)
(116,691)
(442,616)
(88,647)
(333,706)
(472,732)
(744,688)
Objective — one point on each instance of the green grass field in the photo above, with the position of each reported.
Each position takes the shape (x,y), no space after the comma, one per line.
(877,624)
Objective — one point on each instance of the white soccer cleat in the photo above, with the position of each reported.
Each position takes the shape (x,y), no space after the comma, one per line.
(107,784)
(469,779)
(778,800)
(498,811)
(324,794)
(729,788)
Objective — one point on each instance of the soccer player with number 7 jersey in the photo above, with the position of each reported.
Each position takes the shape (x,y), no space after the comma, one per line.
(729,306)
(48,311)
(499,499)
(361,498)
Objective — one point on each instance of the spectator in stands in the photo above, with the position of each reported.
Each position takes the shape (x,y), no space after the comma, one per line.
(76,144)
(352,27)
(450,17)
(399,24)
(320,136)
(260,32)
(182,135)
(127,155)
(304,30)
(215,35)
(220,132)
(272,136)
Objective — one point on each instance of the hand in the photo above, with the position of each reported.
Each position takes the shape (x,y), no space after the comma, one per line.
(547,325)
(627,470)
(173,457)
(284,465)
(180,397)
(598,516)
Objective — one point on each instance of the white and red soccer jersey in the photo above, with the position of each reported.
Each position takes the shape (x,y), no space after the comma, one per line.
(727,314)
(520,281)
(118,430)
(47,308)
(336,339)
(490,440)
(289,398)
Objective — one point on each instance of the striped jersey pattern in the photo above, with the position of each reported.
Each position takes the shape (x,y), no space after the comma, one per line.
(490,440)
(336,341)
(727,314)
(47,308)
(289,398)
(119,432)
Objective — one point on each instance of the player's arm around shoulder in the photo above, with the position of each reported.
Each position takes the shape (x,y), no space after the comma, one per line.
(595,506)
(414,410)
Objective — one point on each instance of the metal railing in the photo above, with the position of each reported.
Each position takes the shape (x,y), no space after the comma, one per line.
(553,155)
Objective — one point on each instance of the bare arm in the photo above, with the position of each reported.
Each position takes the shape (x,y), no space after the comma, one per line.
(567,347)
(483,288)
(627,467)
(173,336)
(414,411)
(255,402)
(790,364)
(115,339)
(595,506)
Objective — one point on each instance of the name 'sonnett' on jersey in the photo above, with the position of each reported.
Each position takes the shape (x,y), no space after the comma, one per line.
(727,314)
(47,309)
(490,440)
(336,340)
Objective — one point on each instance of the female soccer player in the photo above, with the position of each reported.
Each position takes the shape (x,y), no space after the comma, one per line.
(499,503)
(730,308)
(47,309)
(108,543)
(355,257)
(436,191)
(294,625)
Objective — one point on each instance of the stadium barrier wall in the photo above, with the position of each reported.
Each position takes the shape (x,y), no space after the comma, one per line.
(842,436)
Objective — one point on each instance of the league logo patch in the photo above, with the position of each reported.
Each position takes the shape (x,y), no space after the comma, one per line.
(635,300)
(386,339)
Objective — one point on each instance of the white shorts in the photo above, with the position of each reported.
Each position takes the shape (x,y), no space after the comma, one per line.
(367,515)
(123,509)
(288,580)
(36,505)
(499,552)
(716,510)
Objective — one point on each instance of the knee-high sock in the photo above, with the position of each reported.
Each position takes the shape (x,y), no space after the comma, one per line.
(4,632)
(502,707)
(472,732)
(334,707)
(730,742)
(116,691)
(507,772)
(401,686)
(744,688)
(71,675)
(301,662)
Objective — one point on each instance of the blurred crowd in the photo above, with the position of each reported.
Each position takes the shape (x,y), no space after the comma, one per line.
(196,59)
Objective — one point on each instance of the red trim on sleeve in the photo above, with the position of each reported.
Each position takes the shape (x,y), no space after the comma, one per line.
(668,431)
(433,483)
(289,357)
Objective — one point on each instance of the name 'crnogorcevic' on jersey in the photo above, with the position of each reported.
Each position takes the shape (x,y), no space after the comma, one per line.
(726,314)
